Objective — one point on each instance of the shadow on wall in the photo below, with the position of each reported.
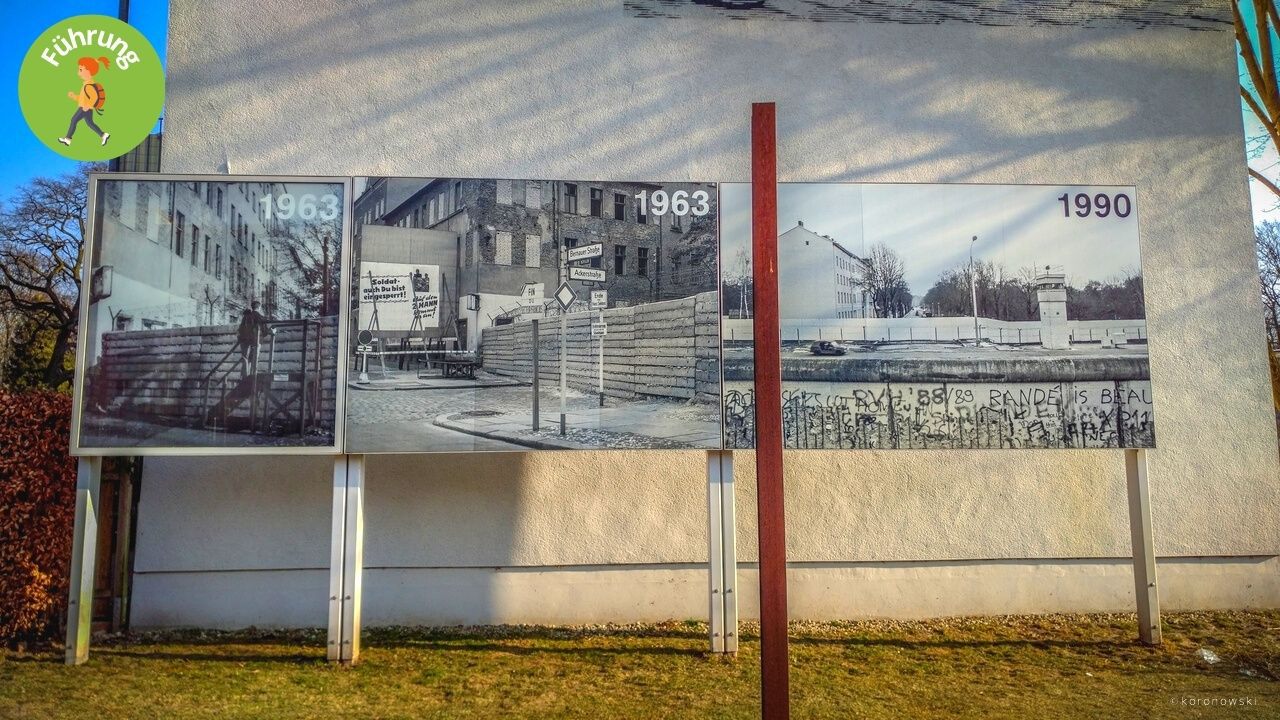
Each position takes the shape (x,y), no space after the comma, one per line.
(501,86)
(456,538)
(412,528)
(545,88)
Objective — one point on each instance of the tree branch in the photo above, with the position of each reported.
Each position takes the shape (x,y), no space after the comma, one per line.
(1265,182)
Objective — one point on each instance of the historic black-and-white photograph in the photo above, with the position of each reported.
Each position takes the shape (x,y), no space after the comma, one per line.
(496,314)
(945,316)
(212,318)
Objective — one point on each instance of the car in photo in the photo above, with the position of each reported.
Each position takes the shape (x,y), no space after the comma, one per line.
(826,347)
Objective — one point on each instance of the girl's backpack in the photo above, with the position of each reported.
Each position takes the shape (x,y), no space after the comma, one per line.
(102,97)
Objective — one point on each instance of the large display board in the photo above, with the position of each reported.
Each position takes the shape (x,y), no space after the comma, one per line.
(564,314)
(210,315)
(367,315)
(946,316)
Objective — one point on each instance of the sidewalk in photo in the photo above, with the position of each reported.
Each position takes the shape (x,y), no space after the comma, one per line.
(395,379)
(633,425)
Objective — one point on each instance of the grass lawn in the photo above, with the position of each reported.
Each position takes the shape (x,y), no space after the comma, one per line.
(1014,667)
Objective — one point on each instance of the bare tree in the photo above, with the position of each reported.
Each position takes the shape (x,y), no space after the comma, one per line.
(41,252)
(884,278)
(737,284)
(312,264)
(1269,268)
(1258,86)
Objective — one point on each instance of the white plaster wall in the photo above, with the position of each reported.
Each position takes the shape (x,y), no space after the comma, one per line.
(545,88)
(611,593)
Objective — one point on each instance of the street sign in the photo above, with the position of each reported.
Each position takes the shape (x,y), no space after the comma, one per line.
(565,296)
(585,252)
(584,273)
(599,299)
(531,294)
(599,329)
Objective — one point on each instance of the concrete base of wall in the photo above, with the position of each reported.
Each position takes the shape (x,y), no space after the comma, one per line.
(648,593)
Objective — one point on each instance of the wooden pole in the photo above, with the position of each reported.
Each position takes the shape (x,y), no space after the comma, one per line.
(774,670)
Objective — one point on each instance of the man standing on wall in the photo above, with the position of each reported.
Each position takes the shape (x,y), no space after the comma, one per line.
(247,336)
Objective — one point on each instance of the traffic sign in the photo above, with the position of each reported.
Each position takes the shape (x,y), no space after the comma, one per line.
(565,296)
(599,329)
(599,299)
(531,294)
(585,273)
(585,252)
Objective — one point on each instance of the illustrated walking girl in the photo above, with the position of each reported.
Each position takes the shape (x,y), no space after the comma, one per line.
(90,98)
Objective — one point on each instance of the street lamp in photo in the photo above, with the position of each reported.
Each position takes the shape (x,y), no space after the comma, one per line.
(973,287)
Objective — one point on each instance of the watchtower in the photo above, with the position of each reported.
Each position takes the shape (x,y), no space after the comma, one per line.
(1051,292)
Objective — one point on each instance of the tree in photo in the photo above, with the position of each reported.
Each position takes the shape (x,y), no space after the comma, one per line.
(736,288)
(1012,297)
(310,269)
(1119,299)
(41,251)
(884,279)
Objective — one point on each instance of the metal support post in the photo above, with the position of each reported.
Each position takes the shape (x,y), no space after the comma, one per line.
(1144,551)
(722,538)
(536,371)
(84,546)
(600,366)
(346,559)
(715,555)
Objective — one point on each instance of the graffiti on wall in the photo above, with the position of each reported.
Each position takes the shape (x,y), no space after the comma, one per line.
(819,415)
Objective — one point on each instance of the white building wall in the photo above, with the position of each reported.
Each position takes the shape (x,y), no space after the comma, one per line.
(619,535)
(805,260)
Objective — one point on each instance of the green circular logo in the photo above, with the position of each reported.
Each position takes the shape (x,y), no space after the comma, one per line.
(91,87)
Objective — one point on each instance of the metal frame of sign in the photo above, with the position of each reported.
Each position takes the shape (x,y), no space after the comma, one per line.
(344,300)
(570,269)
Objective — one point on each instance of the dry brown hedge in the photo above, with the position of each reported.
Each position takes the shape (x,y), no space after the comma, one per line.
(37,512)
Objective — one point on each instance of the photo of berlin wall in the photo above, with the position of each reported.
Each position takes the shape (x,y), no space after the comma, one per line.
(213,314)
(510,315)
(945,316)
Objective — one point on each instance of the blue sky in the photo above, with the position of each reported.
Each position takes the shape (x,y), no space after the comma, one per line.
(24,156)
